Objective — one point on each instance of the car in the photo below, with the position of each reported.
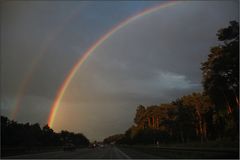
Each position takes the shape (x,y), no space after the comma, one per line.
(92,145)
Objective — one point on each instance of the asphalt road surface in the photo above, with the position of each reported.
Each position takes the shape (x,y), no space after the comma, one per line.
(108,152)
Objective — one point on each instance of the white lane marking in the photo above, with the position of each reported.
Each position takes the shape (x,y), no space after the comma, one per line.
(122,153)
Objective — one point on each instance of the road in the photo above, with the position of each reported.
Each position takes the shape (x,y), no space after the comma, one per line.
(126,152)
(109,152)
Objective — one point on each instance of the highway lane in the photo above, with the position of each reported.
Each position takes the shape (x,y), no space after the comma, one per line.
(131,152)
(109,152)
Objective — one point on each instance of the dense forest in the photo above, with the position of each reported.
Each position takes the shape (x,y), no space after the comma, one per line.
(198,117)
(17,137)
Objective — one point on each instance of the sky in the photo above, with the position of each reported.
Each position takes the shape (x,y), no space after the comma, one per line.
(152,60)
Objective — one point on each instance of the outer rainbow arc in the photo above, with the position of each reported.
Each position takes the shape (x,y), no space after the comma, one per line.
(74,69)
(34,64)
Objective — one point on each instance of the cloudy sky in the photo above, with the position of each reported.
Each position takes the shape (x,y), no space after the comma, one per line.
(152,60)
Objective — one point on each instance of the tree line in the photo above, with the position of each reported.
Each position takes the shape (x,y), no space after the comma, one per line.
(198,117)
(27,135)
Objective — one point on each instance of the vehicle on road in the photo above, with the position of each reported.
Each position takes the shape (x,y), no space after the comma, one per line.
(92,145)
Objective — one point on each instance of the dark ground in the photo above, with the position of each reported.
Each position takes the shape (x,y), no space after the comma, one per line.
(132,152)
(108,152)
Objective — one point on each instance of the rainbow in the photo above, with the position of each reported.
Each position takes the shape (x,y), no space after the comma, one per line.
(65,84)
(34,63)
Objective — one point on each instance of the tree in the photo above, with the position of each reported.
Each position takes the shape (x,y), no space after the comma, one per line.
(49,137)
(77,139)
(201,105)
(140,116)
(221,70)
(221,76)
(185,121)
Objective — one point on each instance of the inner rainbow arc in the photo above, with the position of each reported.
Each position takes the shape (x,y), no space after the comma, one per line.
(65,84)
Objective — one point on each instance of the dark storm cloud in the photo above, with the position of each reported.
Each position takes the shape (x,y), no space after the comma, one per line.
(28,26)
(153,60)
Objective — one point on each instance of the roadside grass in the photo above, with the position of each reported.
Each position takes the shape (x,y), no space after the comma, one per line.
(210,144)
(220,149)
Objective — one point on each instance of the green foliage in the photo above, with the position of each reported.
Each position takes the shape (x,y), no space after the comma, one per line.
(221,79)
(70,137)
(14,134)
(189,118)
(221,70)
(151,136)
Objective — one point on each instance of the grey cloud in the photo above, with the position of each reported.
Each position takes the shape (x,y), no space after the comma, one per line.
(152,60)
